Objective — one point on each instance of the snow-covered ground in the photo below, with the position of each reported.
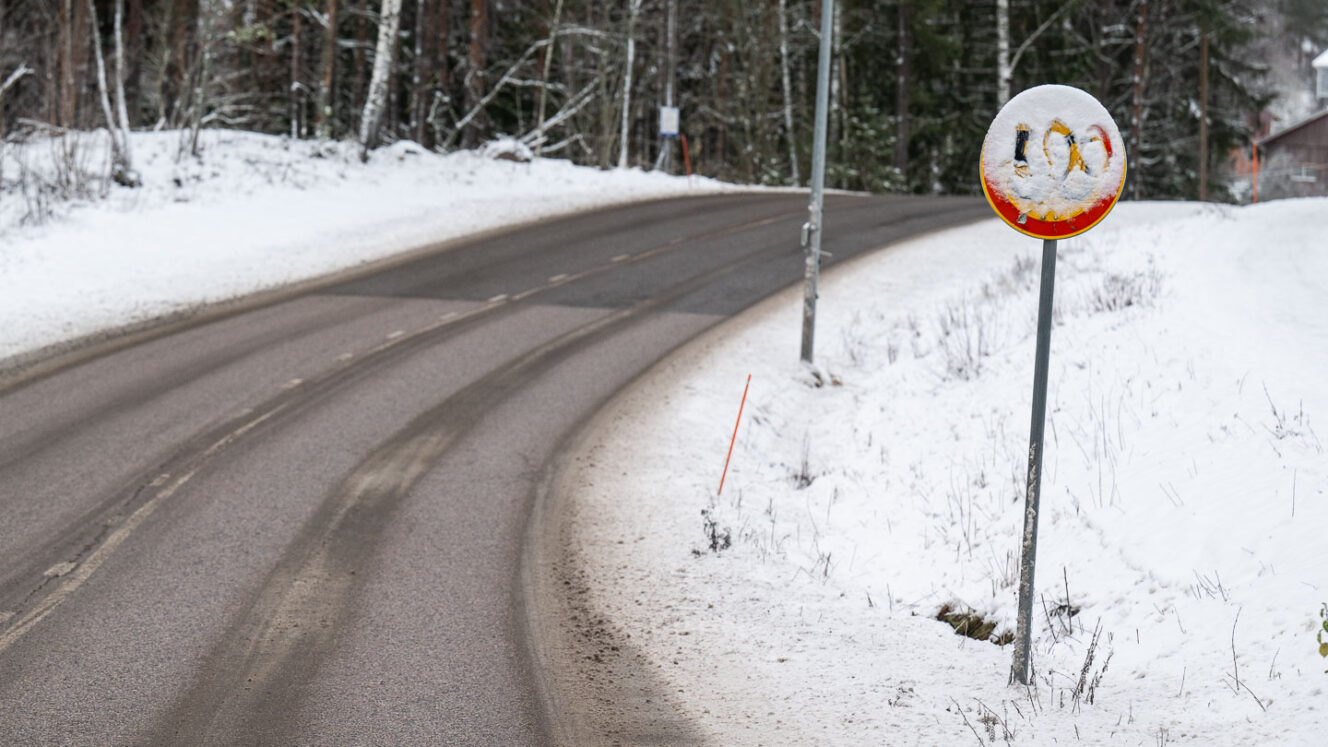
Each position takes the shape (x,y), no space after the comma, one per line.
(251,212)
(1183,556)
(1185,510)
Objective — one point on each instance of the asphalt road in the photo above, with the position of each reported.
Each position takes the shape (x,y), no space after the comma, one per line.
(304,522)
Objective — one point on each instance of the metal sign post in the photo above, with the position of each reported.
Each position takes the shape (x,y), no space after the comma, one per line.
(811,230)
(1028,548)
(1051,167)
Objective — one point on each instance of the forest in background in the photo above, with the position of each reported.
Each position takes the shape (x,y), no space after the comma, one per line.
(915,83)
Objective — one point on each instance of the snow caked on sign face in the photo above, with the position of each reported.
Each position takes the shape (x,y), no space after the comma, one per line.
(1053,162)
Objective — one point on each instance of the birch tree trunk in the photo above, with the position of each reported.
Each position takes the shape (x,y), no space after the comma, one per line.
(121,108)
(633,8)
(121,170)
(296,86)
(788,91)
(389,22)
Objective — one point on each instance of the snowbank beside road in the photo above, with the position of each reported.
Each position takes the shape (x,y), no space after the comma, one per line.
(252,212)
(1183,559)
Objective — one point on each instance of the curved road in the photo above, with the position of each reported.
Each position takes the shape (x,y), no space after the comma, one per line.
(304,522)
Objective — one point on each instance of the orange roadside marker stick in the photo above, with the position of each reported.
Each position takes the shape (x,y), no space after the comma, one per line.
(1256,172)
(735,435)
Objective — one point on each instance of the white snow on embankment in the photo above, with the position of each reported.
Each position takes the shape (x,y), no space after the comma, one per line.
(251,212)
(1184,515)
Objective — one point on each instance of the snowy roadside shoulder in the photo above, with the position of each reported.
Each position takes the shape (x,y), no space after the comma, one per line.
(250,212)
(1183,556)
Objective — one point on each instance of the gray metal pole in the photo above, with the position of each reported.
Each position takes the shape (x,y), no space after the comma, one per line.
(811,230)
(1020,671)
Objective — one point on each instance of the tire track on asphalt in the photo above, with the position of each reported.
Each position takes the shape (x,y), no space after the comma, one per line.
(250,680)
(27,603)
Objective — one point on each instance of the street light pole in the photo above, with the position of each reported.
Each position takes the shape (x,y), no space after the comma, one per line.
(811,230)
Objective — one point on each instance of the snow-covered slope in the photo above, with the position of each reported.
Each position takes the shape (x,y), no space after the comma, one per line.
(251,212)
(1183,559)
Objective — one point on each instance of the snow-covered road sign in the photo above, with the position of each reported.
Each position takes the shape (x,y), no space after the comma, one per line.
(1053,162)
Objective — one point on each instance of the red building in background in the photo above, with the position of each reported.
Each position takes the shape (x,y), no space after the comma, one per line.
(1293,162)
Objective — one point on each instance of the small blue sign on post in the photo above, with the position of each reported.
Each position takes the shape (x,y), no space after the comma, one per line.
(668,121)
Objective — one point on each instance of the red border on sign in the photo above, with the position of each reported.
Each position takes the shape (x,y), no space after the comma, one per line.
(1042,229)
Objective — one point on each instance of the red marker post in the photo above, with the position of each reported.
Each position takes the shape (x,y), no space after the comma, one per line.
(735,435)
(1052,167)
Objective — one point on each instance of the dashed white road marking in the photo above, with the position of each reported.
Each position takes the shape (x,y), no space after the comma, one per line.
(74,574)
(73,577)
(59,569)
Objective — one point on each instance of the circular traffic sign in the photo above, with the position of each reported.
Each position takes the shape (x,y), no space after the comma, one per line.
(1053,162)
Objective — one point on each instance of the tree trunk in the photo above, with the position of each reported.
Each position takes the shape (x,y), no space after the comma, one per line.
(903,79)
(1203,114)
(420,73)
(202,77)
(134,57)
(121,171)
(361,41)
(442,86)
(296,92)
(544,74)
(788,91)
(389,22)
(122,109)
(66,40)
(634,6)
(1137,95)
(479,21)
(1003,71)
(324,105)
(838,77)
